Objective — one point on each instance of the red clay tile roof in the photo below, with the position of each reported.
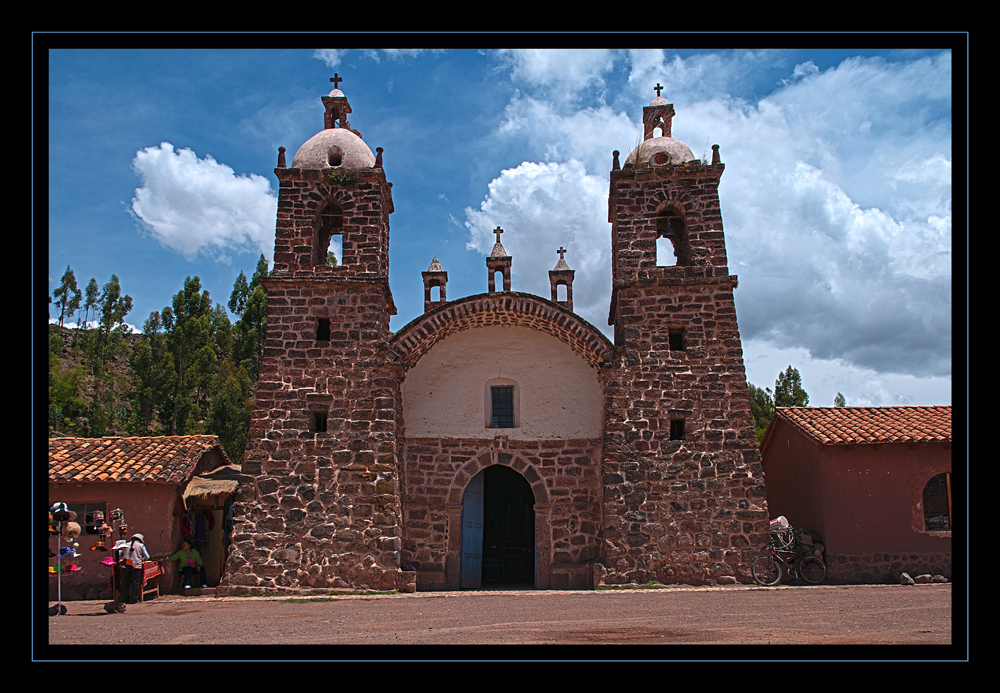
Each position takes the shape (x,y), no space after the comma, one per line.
(867,425)
(166,459)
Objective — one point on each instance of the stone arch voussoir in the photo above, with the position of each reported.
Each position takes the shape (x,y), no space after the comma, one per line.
(414,340)
(523,467)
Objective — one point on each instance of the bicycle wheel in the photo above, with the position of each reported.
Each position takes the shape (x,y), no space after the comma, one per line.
(766,571)
(812,570)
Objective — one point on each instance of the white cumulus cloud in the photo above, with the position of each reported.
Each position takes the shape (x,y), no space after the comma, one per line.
(836,197)
(542,207)
(198,206)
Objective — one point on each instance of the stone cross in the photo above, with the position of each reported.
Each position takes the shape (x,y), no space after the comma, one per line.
(336,79)
(561,251)
(658,88)
(498,231)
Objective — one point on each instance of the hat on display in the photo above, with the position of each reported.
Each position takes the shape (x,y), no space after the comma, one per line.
(61,512)
(71,530)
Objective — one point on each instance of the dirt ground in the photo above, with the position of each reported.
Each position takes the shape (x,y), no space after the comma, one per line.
(360,627)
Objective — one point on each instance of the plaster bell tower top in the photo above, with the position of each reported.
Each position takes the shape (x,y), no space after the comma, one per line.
(662,150)
(337,146)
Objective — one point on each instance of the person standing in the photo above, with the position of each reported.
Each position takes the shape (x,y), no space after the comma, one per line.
(135,553)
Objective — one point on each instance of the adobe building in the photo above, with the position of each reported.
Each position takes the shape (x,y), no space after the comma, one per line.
(875,482)
(158,482)
(498,438)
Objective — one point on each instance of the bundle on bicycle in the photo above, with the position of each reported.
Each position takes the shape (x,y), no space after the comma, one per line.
(788,555)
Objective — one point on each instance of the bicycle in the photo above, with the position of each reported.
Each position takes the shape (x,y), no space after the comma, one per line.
(768,570)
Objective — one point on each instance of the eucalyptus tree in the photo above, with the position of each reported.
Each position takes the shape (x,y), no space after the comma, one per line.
(187,325)
(67,296)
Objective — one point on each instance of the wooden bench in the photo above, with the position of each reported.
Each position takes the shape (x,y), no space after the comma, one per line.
(151,572)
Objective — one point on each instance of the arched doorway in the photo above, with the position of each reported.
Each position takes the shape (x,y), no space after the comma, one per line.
(498,530)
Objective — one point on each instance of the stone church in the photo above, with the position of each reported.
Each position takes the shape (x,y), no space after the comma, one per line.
(497,439)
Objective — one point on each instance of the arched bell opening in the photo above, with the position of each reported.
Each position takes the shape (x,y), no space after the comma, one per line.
(671,239)
(329,230)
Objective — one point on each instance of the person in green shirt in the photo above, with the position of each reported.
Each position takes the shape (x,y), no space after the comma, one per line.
(190,564)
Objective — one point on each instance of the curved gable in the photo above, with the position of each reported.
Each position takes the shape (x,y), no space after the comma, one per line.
(514,309)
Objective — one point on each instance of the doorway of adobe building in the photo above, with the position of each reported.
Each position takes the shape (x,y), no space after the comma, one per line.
(498,531)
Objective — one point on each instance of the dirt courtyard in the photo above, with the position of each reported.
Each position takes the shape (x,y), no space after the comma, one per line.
(364,626)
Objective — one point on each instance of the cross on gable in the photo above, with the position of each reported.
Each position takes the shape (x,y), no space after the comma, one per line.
(336,79)
(561,251)
(658,87)
(498,231)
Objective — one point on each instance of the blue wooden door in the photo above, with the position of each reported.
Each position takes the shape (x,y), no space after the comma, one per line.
(472,533)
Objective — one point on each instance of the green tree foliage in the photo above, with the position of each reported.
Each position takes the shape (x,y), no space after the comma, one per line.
(191,370)
(152,370)
(92,294)
(232,404)
(248,300)
(68,400)
(788,390)
(762,408)
(839,401)
(113,308)
(67,296)
(240,294)
(187,323)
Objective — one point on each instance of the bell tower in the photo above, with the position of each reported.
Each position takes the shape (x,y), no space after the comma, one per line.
(685,501)
(320,507)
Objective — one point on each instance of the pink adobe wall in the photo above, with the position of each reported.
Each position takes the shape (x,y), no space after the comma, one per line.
(148,509)
(865,502)
(881,491)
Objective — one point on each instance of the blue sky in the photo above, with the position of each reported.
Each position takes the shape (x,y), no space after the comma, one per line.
(836,199)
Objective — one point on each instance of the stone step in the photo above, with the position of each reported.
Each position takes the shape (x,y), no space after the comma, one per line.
(197,591)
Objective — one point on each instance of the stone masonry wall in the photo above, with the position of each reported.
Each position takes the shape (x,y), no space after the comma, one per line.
(885,568)
(365,203)
(684,491)
(690,510)
(565,479)
(326,508)
(636,197)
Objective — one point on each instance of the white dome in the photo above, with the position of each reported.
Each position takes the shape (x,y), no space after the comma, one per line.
(660,151)
(334,148)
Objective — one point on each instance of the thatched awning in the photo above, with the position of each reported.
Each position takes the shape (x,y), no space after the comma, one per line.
(211,486)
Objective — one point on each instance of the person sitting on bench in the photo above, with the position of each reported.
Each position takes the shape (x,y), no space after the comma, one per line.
(190,564)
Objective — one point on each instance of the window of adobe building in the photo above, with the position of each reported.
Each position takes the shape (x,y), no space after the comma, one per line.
(937,503)
(90,516)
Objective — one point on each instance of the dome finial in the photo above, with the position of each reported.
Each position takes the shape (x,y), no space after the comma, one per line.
(658,87)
